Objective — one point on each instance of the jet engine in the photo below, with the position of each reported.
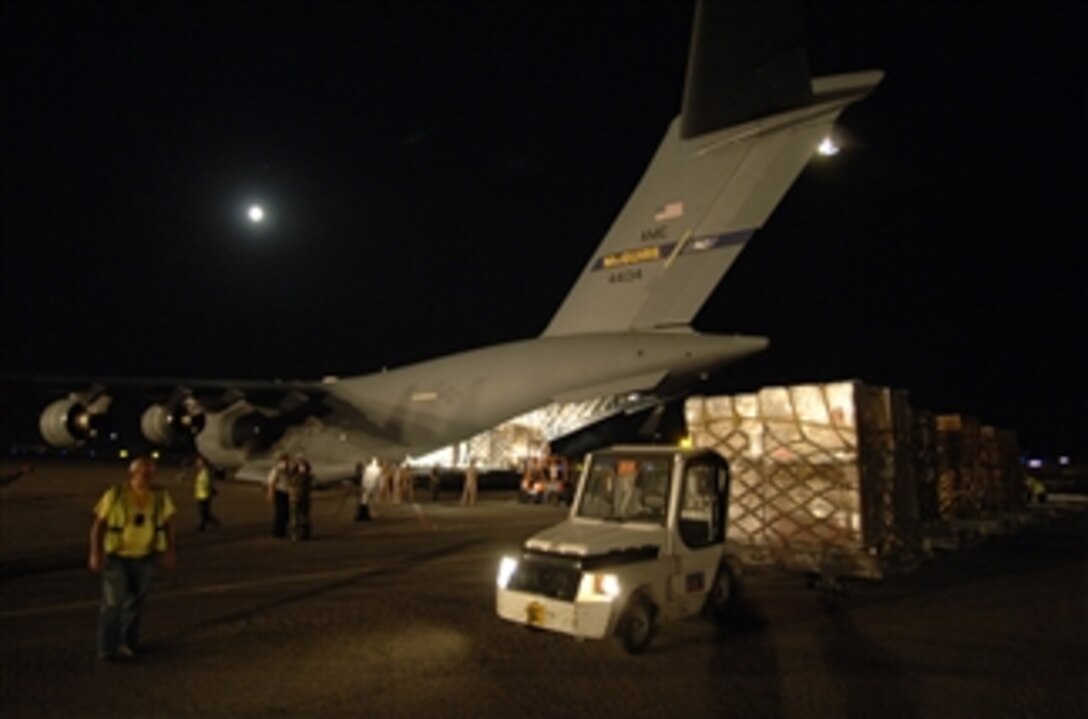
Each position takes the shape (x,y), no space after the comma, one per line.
(70,421)
(164,423)
(228,436)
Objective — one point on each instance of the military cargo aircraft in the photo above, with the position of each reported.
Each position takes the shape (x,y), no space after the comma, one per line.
(751,118)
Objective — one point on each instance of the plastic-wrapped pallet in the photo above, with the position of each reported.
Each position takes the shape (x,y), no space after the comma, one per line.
(823,476)
(960,484)
(999,464)
(989,471)
(925,466)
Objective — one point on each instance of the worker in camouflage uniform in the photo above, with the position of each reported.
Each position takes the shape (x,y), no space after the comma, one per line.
(300,484)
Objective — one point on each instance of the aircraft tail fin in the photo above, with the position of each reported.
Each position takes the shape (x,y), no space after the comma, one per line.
(752,117)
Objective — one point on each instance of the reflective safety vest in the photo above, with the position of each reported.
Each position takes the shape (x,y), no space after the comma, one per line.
(202,484)
(117,520)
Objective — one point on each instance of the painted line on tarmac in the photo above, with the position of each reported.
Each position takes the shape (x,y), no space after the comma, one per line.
(52,609)
(193,591)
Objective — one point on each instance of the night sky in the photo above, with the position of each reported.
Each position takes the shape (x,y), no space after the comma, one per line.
(437,174)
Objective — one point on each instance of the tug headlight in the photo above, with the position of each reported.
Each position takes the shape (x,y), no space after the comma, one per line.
(506,570)
(599,587)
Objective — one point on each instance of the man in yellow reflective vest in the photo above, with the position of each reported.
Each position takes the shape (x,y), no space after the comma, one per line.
(133,522)
(204,491)
(1036,489)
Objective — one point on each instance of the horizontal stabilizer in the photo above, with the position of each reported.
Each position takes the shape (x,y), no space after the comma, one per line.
(747,60)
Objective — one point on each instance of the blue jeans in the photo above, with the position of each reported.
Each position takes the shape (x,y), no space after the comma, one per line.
(125,585)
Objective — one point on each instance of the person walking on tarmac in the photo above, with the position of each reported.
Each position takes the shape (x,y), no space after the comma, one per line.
(277,488)
(133,522)
(204,492)
(1036,489)
(434,480)
(385,482)
(300,484)
(468,494)
(368,489)
(406,483)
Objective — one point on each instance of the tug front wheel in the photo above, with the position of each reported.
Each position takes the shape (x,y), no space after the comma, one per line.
(636,627)
(722,598)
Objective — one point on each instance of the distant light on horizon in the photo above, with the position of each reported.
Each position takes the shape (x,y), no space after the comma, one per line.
(256,213)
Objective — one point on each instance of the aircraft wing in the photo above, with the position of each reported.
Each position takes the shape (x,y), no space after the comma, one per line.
(166,409)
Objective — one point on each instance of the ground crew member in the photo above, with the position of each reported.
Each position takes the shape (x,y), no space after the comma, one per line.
(276,488)
(300,483)
(525,491)
(133,522)
(468,494)
(368,489)
(434,478)
(1036,489)
(387,481)
(406,483)
(361,510)
(204,492)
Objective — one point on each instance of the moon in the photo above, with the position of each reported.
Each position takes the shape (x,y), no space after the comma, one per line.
(256,214)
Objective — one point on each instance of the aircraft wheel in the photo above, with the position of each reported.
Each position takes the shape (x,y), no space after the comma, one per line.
(636,626)
(722,598)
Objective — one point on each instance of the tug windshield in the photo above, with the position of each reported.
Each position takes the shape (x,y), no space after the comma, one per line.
(627,489)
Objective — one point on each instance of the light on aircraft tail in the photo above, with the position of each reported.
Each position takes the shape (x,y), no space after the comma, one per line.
(828,147)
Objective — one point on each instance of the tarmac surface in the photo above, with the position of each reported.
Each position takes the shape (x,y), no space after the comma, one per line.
(395,618)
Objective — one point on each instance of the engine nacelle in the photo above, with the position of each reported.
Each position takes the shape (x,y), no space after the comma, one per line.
(163,424)
(71,421)
(229,436)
